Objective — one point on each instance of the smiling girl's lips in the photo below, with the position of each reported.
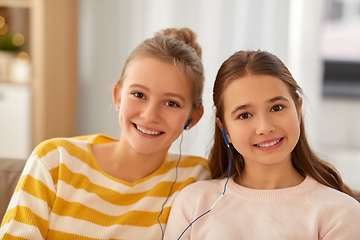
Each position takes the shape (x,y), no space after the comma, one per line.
(269,144)
(147,131)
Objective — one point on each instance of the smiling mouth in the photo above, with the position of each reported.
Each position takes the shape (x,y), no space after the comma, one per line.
(270,144)
(148,132)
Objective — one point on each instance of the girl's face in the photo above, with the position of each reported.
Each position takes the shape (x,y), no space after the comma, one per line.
(262,120)
(155,102)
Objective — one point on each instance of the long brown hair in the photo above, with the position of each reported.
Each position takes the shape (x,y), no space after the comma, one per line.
(179,47)
(304,160)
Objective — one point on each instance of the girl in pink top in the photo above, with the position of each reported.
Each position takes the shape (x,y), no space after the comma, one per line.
(267,182)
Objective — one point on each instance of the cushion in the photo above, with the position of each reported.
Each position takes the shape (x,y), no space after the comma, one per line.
(10,172)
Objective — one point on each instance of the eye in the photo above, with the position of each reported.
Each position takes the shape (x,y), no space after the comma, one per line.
(244,116)
(172,104)
(138,95)
(277,108)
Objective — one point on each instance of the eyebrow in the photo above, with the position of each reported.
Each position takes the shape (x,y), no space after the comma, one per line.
(241,107)
(278,98)
(169,94)
(272,100)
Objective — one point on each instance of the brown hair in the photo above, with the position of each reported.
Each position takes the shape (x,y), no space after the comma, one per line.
(304,160)
(176,46)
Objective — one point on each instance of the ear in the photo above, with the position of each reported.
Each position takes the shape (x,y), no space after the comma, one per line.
(116,92)
(196,116)
(299,112)
(219,124)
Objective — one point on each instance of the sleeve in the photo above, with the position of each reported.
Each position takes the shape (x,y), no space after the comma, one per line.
(341,222)
(181,215)
(27,216)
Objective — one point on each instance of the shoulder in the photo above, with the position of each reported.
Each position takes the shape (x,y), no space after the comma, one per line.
(80,142)
(335,204)
(47,146)
(94,139)
(200,189)
(196,197)
(189,161)
(340,213)
(192,167)
(205,186)
(328,197)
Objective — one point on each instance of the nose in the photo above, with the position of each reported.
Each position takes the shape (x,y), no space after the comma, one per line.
(150,112)
(265,125)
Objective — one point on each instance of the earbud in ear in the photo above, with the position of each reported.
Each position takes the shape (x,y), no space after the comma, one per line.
(188,123)
(223,131)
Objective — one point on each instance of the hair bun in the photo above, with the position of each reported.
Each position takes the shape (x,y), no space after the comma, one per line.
(182,34)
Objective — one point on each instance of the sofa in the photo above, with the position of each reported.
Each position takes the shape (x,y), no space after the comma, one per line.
(10,171)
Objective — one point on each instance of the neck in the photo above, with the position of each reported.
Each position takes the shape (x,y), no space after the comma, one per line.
(274,176)
(139,164)
(121,161)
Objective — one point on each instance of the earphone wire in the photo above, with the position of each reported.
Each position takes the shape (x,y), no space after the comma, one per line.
(227,180)
(193,223)
(217,200)
(167,198)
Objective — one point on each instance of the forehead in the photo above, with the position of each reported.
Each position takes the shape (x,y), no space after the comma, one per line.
(153,72)
(254,89)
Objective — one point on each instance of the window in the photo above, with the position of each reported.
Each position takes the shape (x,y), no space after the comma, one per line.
(341,49)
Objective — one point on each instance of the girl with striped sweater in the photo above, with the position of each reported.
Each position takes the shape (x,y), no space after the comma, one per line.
(97,187)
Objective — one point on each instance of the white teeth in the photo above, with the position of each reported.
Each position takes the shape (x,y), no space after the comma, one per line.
(147,131)
(268,144)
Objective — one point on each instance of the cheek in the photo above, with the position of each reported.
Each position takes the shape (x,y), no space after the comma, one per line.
(176,121)
(239,137)
(126,109)
(293,128)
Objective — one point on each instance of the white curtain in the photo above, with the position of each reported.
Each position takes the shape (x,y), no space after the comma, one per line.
(109,30)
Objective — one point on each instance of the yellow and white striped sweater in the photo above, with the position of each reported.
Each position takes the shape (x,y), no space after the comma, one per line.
(63,194)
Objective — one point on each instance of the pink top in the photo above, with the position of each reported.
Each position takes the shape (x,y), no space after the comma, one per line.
(307,211)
